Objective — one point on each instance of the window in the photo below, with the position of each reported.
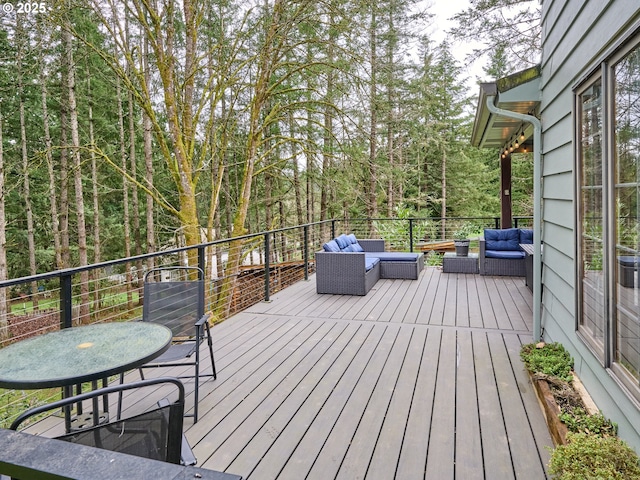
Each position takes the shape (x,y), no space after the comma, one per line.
(608,176)
(591,214)
(626,79)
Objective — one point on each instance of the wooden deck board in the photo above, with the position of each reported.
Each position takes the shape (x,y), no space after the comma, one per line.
(418,379)
(468,445)
(384,461)
(412,295)
(300,443)
(330,458)
(441,451)
(521,446)
(283,429)
(473,301)
(495,446)
(360,451)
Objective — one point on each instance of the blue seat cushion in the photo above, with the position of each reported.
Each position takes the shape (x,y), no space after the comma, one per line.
(394,256)
(526,235)
(331,246)
(353,241)
(508,254)
(342,241)
(629,261)
(502,240)
(370,262)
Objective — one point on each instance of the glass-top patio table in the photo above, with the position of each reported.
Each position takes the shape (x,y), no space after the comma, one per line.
(81,354)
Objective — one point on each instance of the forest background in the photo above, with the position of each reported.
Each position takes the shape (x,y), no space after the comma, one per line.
(131,126)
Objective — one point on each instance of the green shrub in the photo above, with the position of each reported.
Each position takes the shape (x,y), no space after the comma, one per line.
(594,457)
(550,359)
(580,421)
(433,259)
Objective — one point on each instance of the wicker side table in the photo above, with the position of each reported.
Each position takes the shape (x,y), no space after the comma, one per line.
(451,263)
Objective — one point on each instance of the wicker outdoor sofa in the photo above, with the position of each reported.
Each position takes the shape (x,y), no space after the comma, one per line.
(348,266)
(500,252)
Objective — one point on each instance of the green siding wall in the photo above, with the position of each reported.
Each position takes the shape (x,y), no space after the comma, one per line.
(577,35)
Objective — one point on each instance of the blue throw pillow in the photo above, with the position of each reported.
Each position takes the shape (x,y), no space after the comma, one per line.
(526,235)
(342,241)
(352,238)
(331,246)
(357,247)
(505,239)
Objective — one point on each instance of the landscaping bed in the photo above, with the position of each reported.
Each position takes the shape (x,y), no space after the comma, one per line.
(586,442)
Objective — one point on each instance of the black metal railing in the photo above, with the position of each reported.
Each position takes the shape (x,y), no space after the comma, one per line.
(270,261)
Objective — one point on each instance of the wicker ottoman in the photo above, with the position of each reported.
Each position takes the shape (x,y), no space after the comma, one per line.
(403,269)
(627,266)
(451,263)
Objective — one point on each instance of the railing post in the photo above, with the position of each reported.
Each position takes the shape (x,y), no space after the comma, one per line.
(305,253)
(497,222)
(201,277)
(201,259)
(66,301)
(411,234)
(333,228)
(267,273)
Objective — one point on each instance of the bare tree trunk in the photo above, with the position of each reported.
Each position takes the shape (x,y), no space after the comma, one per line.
(400,164)
(443,212)
(390,79)
(327,147)
(77,176)
(310,171)
(217,175)
(390,152)
(26,186)
(259,102)
(372,203)
(55,222)
(4,307)
(65,253)
(135,203)
(268,201)
(97,246)
(148,163)
(296,175)
(126,220)
(284,254)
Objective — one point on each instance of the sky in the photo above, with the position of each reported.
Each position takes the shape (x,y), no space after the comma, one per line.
(443,10)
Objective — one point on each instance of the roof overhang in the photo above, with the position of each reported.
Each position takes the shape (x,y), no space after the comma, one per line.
(519,93)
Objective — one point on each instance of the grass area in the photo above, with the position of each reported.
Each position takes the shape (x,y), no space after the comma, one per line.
(53,303)
(14,402)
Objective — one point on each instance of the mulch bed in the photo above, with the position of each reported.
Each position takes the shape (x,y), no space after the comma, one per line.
(556,396)
(27,325)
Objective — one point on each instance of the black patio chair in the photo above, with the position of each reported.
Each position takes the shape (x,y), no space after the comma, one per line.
(155,434)
(179,305)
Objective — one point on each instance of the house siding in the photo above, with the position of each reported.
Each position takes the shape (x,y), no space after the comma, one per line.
(576,36)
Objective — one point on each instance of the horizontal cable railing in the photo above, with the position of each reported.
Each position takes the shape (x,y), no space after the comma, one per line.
(266,263)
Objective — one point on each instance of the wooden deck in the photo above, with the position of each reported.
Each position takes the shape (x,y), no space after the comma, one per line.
(418,379)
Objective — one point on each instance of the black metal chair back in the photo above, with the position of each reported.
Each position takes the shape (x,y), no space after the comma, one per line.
(177,305)
(154,434)
(175,298)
